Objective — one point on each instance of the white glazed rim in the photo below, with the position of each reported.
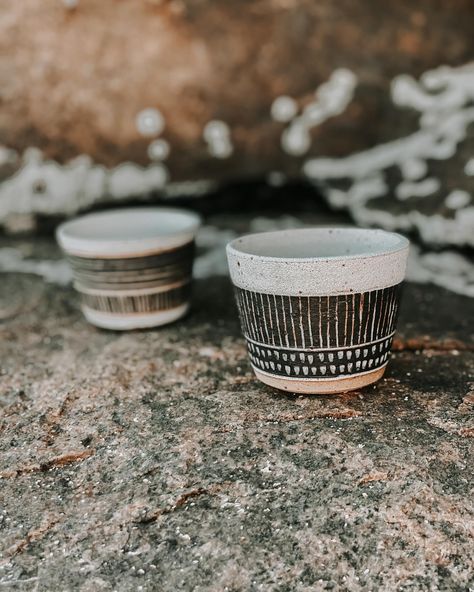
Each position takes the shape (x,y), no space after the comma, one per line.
(400,243)
(366,268)
(82,236)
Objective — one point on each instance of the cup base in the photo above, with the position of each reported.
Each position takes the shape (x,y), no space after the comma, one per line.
(125,322)
(321,386)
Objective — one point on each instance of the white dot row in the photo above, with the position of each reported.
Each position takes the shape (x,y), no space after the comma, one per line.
(304,357)
(350,368)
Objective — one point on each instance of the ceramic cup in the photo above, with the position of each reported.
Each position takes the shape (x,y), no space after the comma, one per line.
(318,306)
(132,266)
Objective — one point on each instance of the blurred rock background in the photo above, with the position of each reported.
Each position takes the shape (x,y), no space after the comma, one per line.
(358,107)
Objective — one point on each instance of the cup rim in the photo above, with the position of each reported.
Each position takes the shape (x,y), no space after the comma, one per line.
(400,243)
(89,235)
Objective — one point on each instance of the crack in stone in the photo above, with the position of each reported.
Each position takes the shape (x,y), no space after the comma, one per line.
(58,461)
(32,536)
(51,420)
(426,342)
(374,477)
(182,501)
(8,583)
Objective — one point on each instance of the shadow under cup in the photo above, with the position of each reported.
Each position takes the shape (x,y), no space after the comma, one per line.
(318,307)
(132,266)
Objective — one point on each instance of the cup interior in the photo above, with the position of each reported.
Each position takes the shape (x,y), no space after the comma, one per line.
(319,243)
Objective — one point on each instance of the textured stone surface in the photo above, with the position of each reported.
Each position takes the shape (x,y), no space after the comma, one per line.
(153,460)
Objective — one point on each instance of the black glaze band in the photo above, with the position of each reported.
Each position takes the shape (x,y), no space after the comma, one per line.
(140,303)
(161,269)
(137,285)
(322,364)
(319,336)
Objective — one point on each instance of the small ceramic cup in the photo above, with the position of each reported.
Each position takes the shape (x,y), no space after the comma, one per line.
(132,266)
(318,306)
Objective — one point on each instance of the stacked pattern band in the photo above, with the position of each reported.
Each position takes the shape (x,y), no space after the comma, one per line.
(319,337)
(151,283)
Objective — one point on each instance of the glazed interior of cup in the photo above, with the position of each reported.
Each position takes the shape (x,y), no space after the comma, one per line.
(314,243)
(127,230)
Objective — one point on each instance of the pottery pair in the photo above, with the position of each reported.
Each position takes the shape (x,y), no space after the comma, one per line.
(318,306)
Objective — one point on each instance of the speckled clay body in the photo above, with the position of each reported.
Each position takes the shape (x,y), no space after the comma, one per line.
(318,307)
(133,266)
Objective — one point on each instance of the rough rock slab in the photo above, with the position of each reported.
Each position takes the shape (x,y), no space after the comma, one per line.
(153,460)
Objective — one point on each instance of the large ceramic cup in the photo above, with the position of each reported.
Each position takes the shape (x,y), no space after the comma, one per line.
(132,266)
(318,307)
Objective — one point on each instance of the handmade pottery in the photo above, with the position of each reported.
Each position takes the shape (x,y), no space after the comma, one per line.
(132,266)
(318,306)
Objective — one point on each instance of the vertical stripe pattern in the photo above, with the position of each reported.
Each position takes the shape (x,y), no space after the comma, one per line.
(136,285)
(351,332)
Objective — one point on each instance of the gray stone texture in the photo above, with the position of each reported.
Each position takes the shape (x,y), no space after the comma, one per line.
(153,460)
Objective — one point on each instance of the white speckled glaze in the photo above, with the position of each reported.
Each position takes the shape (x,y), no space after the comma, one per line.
(318,261)
(318,306)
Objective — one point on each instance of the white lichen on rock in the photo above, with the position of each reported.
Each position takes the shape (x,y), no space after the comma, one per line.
(71,4)
(448,269)
(413,169)
(331,99)
(44,187)
(158,149)
(150,122)
(457,199)
(407,189)
(53,271)
(469,167)
(218,137)
(444,98)
(129,179)
(284,108)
